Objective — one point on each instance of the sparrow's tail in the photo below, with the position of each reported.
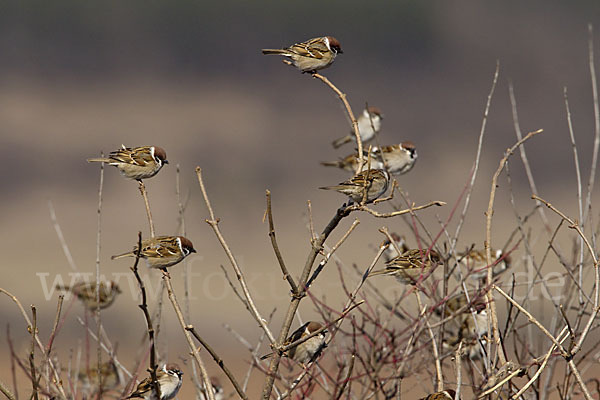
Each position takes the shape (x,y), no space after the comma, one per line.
(341,141)
(329,187)
(128,254)
(266,356)
(281,52)
(105,160)
(337,164)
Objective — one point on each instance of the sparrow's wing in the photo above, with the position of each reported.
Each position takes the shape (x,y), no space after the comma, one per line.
(296,335)
(144,387)
(314,48)
(140,156)
(161,247)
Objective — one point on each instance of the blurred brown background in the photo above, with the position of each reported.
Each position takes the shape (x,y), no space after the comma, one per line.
(77,78)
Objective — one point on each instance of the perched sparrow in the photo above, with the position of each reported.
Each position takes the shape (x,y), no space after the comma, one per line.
(109,375)
(398,159)
(475,261)
(369,124)
(217,390)
(443,395)
(408,267)
(136,163)
(308,351)
(391,252)
(312,55)
(162,251)
(169,381)
(88,294)
(374,181)
(350,163)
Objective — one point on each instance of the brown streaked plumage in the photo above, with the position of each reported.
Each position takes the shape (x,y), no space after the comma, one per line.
(88,294)
(475,261)
(350,162)
(136,162)
(309,350)
(397,158)
(311,55)
(162,251)
(373,181)
(408,267)
(169,380)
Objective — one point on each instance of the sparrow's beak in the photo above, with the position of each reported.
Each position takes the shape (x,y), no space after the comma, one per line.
(165,162)
(340,51)
(192,250)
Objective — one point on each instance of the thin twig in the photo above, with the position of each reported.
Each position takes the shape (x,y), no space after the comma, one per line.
(98,319)
(142,188)
(342,97)
(219,362)
(33,331)
(359,207)
(144,307)
(590,188)
(284,270)
(6,392)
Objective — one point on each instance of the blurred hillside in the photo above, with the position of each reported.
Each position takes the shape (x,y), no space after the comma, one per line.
(80,77)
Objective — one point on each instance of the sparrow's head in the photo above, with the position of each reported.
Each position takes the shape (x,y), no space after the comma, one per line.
(160,154)
(314,326)
(410,147)
(434,257)
(173,369)
(374,111)
(186,245)
(334,44)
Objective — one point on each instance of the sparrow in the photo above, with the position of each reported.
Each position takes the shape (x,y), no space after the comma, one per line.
(312,55)
(88,294)
(369,124)
(136,163)
(350,162)
(398,159)
(162,251)
(308,351)
(217,390)
(475,262)
(391,252)
(109,374)
(169,381)
(408,267)
(443,395)
(372,181)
